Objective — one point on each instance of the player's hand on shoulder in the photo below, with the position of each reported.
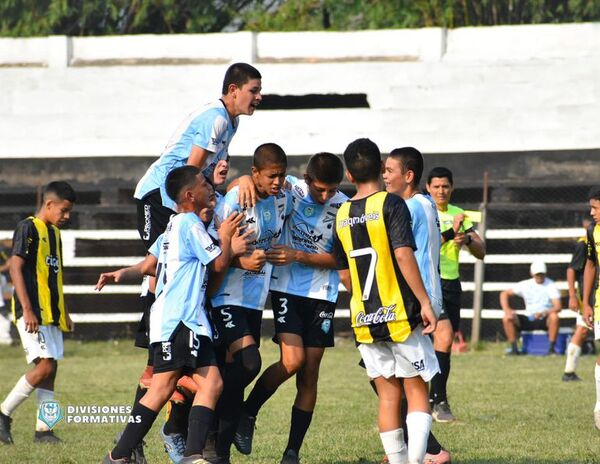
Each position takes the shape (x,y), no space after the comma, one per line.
(246,192)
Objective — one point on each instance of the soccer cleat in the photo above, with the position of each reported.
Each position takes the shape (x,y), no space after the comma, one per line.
(244,434)
(137,453)
(174,445)
(290,457)
(177,397)
(570,377)
(441,412)
(512,352)
(108,459)
(5,436)
(47,437)
(187,384)
(385,460)
(443,457)
(597,419)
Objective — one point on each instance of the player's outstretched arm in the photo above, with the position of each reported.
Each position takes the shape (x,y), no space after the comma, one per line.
(280,255)
(407,264)
(145,267)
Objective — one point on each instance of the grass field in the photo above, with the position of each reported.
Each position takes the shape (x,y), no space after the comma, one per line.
(511,410)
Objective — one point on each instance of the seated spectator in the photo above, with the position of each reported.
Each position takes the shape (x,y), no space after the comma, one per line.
(542,305)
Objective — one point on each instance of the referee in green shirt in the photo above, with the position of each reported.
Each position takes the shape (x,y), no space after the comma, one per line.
(457,231)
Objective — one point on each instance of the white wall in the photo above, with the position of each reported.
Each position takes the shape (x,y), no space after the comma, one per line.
(465,90)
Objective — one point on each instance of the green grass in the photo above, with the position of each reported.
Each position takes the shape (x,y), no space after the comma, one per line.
(511,410)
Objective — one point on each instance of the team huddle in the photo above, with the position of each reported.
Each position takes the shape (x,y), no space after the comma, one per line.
(213,260)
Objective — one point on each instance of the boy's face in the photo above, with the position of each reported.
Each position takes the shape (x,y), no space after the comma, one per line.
(269,180)
(321,192)
(199,194)
(595,210)
(440,190)
(58,211)
(393,177)
(220,173)
(207,213)
(247,97)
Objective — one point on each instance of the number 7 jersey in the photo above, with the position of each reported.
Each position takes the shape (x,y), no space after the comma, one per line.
(368,230)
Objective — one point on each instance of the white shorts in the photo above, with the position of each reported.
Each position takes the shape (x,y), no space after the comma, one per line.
(415,356)
(47,343)
(579,322)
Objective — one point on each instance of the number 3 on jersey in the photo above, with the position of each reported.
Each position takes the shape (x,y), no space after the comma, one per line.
(371,272)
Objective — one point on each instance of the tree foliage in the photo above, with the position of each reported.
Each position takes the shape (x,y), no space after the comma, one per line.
(107,17)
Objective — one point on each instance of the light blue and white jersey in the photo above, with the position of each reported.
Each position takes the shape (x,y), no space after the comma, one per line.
(310,229)
(426,230)
(210,128)
(183,251)
(246,288)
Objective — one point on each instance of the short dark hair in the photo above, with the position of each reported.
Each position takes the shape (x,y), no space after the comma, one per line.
(268,154)
(325,167)
(410,159)
(60,189)
(440,171)
(179,179)
(363,160)
(594,193)
(239,74)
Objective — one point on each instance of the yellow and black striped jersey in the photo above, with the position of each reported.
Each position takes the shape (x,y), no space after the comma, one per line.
(593,250)
(368,230)
(40,246)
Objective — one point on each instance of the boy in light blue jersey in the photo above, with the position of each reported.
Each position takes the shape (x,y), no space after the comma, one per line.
(238,303)
(402,172)
(180,331)
(304,291)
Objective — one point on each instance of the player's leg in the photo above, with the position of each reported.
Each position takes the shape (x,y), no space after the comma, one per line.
(552,324)
(239,329)
(511,331)
(443,339)
(144,413)
(418,418)
(597,367)
(574,350)
(306,397)
(210,385)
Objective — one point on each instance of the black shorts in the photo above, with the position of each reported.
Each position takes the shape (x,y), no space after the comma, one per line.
(152,217)
(143,329)
(451,294)
(524,323)
(184,350)
(307,317)
(234,322)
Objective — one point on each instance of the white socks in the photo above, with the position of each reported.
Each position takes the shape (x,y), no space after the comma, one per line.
(17,395)
(573,353)
(597,377)
(418,424)
(42,395)
(394,446)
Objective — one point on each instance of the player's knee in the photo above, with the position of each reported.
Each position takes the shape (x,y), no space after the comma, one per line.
(46,368)
(293,362)
(553,317)
(249,362)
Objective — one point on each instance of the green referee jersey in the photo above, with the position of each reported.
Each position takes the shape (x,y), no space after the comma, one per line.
(449,251)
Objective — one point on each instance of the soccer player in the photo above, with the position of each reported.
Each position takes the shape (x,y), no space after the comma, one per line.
(201,140)
(238,303)
(38,306)
(591,278)
(391,313)
(402,173)
(575,283)
(542,305)
(457,231)
(180,328)
(304,290)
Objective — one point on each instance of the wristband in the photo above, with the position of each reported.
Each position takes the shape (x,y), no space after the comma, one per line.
(468,240)
(448,234)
